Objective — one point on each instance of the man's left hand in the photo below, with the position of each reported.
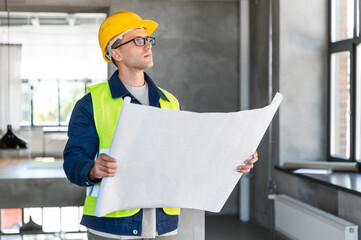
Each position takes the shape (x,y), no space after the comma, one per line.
(248,165)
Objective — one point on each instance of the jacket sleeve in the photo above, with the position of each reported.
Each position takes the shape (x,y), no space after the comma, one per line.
(83,143)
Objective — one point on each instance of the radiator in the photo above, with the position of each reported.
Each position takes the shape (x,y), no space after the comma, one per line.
(297,220)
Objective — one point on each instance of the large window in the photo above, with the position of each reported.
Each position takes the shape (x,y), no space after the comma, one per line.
(59,57)
(49,102)
(345,81)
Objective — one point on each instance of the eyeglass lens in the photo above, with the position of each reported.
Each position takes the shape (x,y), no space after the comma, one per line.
(141,41)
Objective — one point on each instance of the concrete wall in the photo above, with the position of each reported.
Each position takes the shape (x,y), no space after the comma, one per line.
(307,191)
(299,72)
(303,39)
(259,71)
(196,56)
(303,80)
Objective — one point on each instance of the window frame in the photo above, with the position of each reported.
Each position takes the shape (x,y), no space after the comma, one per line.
(87,82)
(336,47)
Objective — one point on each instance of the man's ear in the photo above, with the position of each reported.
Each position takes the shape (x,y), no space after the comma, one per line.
(116,55)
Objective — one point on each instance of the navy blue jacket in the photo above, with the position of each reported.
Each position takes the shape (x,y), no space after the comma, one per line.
(80,151)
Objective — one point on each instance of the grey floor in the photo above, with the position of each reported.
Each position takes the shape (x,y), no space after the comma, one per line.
(230,228)
(217,228)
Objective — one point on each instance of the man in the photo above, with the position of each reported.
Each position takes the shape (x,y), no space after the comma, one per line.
(125,41)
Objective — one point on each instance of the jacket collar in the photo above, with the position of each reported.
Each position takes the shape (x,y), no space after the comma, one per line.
(117,89)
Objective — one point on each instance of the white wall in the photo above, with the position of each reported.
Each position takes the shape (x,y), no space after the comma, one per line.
(10,86)
(64,52)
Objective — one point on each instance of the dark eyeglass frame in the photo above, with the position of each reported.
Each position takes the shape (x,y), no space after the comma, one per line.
(151,40)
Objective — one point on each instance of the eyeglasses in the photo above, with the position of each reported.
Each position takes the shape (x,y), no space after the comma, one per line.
(139,41)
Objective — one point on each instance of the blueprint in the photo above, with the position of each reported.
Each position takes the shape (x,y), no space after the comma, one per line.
(180,159)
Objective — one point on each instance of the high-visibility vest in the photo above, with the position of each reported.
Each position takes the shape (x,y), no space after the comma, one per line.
(106,112)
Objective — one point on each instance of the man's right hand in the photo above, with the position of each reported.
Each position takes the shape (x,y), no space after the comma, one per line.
(104,166)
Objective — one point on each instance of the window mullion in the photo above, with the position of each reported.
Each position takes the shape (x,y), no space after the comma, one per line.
(357,102)
(355,25)
(31,105)
(340,46)
(353,102)
(358,17)
(59,116)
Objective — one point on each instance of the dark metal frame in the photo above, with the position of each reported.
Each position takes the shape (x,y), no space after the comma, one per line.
(151,40)
(349,45)
(86,83)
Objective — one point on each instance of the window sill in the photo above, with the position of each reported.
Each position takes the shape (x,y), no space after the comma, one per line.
(345,181)
(46,129)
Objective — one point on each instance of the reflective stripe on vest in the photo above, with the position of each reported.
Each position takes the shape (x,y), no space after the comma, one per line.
(106,112)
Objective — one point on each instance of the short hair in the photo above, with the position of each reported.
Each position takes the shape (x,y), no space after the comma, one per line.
(116,43)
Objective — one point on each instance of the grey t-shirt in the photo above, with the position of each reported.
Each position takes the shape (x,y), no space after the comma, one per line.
(140,93)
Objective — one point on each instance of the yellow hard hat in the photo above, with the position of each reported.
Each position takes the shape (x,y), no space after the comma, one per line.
(118,23)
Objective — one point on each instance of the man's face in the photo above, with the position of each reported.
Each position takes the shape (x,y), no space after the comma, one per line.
(135,57)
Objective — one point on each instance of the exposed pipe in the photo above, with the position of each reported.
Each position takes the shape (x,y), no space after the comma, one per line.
(270,182)
(244,97)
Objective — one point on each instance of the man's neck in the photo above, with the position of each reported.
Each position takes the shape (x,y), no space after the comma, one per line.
(133,79)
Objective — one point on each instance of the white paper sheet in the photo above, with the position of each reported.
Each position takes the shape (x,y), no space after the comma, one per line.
(313,171)
(180,159)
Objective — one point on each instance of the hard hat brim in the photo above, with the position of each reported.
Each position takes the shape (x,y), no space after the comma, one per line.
(148,25)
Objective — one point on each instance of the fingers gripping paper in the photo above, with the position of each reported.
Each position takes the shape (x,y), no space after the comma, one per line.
(180,159)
